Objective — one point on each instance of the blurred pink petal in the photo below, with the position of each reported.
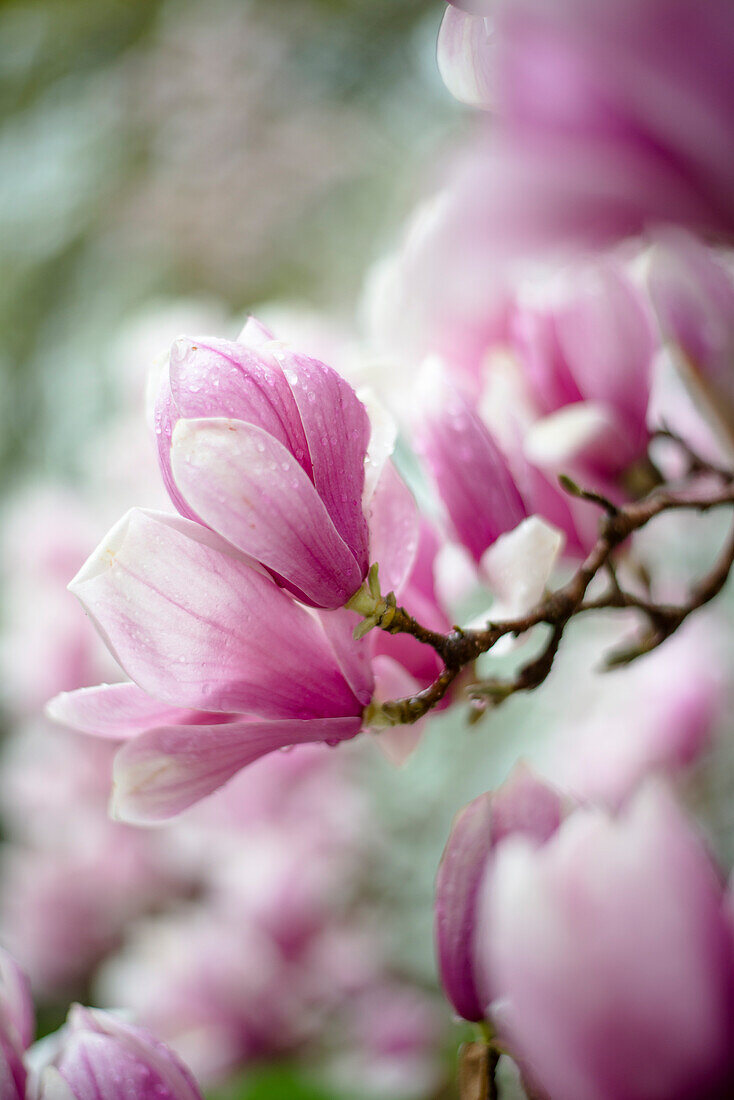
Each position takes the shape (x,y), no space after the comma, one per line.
(163,772)
(692,289)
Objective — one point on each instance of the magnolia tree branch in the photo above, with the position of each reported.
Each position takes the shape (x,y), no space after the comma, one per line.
(707,488)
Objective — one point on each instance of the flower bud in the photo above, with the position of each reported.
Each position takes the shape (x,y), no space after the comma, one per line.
(98,1057)
(609,954)
(523,805)
(469,470)
(268,448)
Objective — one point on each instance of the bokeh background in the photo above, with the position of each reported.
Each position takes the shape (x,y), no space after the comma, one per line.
(162,160)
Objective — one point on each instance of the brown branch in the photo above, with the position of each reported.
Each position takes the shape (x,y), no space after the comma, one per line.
(460,648)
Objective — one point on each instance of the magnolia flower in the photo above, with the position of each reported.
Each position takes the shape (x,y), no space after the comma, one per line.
(96,1055)
(268,448)
(522,806)
(611,116)
(226,665)
(608,952)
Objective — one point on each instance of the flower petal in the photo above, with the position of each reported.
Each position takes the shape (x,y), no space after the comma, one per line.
(221,378)
(163,772)
(196,626)
(247,486)
(457,888)
(393,681)
(350,653)
(103,1056)
(337,433)
(470,471)
(116,711)
(465,57)
(394,529)
(519,565)
(15,993)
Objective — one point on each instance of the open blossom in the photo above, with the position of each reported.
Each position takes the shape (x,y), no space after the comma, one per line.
(608,951)
(268,447)
(97,1055)
(226,665)
(612,116)
(522,806)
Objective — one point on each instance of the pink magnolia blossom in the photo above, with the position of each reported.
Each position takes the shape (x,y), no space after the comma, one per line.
(226,665)
(522,806)
(608,951)
(611,116)
(98,1057)
(267,447)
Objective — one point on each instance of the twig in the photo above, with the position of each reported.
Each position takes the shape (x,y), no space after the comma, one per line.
(460,648)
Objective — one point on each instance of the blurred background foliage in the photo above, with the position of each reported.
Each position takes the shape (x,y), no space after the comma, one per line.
(238,149)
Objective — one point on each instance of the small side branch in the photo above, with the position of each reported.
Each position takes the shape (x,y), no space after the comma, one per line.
(710,488)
